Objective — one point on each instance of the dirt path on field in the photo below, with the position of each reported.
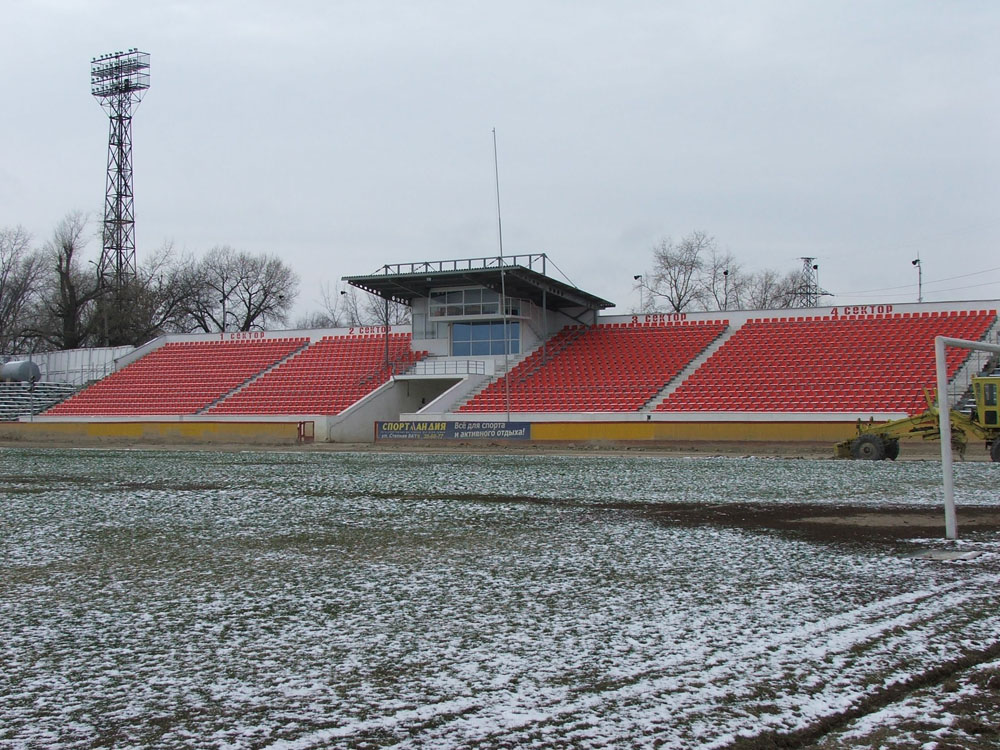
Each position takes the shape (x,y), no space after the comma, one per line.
(824,523)
(832,524)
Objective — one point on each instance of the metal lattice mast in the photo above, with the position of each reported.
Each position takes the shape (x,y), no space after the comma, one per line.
(119,80)
(810,292)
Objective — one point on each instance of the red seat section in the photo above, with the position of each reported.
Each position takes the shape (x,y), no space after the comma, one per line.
(873,363)
(326,378)
(178,378)
(600,368)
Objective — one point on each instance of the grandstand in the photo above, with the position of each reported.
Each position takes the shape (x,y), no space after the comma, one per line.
(182,377)
(325,378)
(499,340)
(826,363)
(602,368)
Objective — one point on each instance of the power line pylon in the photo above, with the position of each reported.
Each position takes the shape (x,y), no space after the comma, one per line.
(118,80)
(810,292)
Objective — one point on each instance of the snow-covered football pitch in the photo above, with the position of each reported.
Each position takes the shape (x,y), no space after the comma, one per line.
(311,600)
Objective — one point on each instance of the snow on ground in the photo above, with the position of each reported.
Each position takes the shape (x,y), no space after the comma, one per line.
(959,712)
(318,600)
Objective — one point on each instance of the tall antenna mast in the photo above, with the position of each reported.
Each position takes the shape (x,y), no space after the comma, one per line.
(503,282)
(118,80)
(496,176)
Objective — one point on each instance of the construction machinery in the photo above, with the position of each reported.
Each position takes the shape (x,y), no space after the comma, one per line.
(876,441)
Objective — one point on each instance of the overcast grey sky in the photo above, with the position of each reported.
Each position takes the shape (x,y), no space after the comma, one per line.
(345,135)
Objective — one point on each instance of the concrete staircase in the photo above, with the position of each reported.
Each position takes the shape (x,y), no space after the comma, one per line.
(688,370)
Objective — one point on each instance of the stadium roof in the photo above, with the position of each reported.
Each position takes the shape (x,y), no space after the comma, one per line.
(404,282)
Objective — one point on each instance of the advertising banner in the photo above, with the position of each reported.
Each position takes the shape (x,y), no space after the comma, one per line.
(478,430)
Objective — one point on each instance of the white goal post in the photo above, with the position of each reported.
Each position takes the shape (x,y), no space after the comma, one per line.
(944,417)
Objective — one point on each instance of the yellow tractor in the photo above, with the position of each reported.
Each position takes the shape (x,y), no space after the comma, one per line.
(878,441)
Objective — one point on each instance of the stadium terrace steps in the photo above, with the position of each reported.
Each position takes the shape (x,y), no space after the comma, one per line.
(686,371)
(499,370)
(20,399)
(539,356)
(178,378)
(867,363)
(615,367)
(325,378)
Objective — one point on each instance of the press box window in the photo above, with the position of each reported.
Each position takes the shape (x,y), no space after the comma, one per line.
(465,303)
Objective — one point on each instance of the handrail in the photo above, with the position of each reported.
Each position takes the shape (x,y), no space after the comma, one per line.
(449,367)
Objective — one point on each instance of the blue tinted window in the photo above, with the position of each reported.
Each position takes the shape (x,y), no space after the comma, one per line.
(481,339)
(461,332)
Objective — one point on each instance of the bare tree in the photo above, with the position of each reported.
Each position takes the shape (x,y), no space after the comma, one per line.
(769,290)
(677,267)
(315,319)
(694,274)
(20,273)
(343,307)
(721,281)
(155,301)
(236,291)
(339,309)
(384,312)
(65,318)
(352,307)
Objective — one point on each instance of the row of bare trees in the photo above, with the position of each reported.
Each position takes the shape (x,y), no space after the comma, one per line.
(694,274)
(51,297)
(344,307)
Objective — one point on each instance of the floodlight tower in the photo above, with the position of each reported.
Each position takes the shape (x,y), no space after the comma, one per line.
(119,80)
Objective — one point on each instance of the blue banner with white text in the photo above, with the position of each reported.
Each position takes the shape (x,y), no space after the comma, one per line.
(477,430)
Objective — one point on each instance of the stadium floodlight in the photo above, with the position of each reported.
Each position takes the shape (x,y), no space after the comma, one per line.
(119,73)
(920,278)
(118,80)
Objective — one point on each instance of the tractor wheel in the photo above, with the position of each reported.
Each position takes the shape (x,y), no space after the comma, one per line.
(995,450)
(892,449)
(868,448)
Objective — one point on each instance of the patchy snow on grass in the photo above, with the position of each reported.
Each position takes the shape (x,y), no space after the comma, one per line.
(307,601)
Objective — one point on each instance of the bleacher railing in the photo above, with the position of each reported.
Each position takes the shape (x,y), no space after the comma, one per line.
(449,367)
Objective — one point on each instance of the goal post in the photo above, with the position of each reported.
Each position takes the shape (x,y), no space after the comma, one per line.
(944,422)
